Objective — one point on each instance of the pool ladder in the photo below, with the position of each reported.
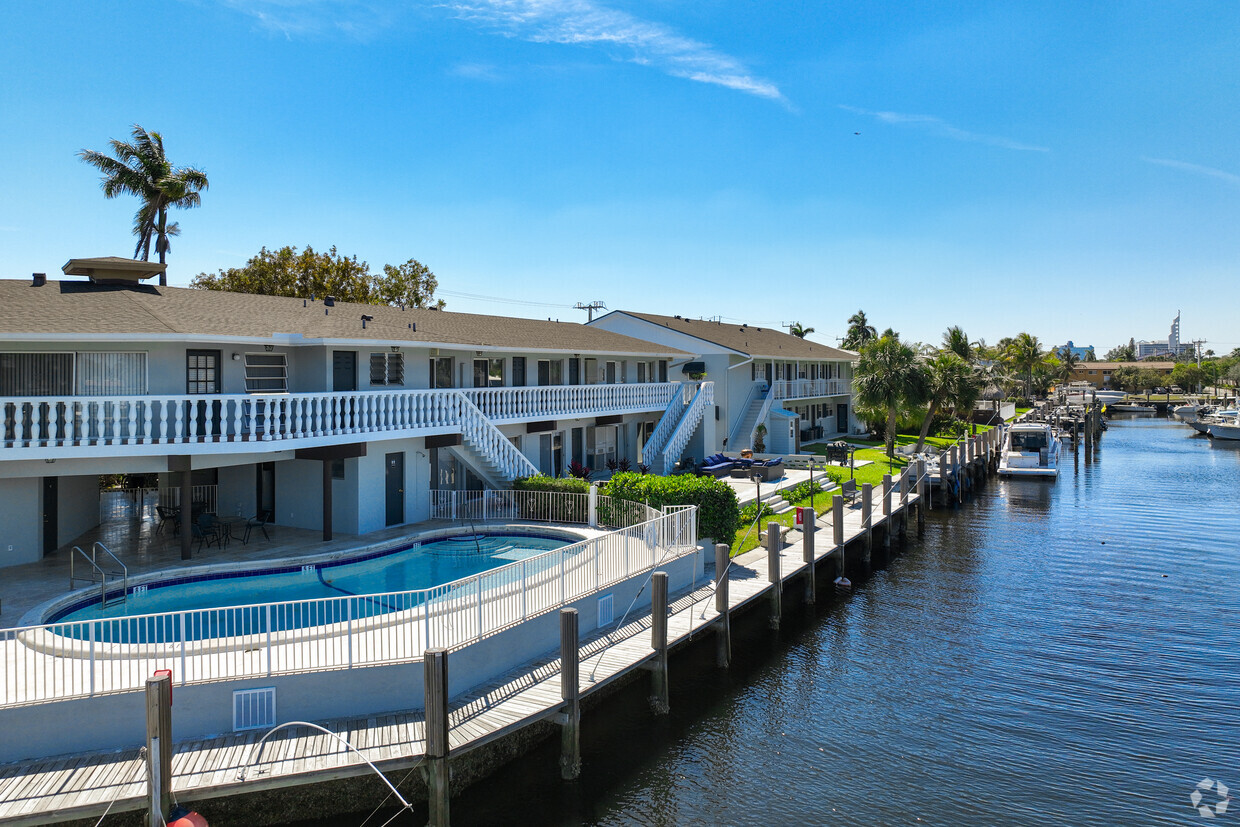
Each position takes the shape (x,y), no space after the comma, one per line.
(98,574)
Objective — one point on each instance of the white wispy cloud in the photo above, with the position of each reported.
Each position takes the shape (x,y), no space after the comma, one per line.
(361,19)
(585,23)
(1196,169)
(941,128)
(476,71)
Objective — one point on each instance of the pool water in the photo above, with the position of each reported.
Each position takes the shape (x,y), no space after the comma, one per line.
(301,590)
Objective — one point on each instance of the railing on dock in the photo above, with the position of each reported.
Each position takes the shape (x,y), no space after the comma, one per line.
(93,657)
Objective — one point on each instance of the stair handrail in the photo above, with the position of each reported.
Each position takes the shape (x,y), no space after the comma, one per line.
(734,432)
(762,412)
(667,424)
(490,441)
(98,573)
(688,424)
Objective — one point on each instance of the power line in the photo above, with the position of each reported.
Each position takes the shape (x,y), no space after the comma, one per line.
(480,297)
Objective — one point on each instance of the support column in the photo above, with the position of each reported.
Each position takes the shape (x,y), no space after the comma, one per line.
(327,499)
(570,691)
(158,749)
(887,511)
(187,514)
(921,496)
(659,698)
(723,631)
(808,529)
(867,519)
(773,542)
(435,672)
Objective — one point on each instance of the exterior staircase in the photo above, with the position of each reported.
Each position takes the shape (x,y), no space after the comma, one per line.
(759,404)
(486,450)
(665,460)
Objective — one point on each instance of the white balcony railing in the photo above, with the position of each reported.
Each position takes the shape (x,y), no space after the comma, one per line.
(808,388)
(33,423)
(562,401)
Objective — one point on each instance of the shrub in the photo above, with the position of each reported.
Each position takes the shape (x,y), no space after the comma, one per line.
(579,471)
(541,482)
(754,512)
(718,511)
(576,510)
(802,490)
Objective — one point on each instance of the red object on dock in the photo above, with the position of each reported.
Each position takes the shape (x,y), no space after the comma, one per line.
(189,820)
(168,672)
(800,515)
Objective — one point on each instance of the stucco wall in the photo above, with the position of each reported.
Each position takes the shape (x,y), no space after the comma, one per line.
(20,520)
(77,506)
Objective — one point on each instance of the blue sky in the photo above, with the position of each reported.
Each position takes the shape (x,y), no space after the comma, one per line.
(1068,169)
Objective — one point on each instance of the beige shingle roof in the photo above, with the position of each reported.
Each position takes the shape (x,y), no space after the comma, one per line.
(80,308)
(762,342)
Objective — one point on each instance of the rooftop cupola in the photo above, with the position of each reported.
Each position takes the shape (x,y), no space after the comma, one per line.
(113,270)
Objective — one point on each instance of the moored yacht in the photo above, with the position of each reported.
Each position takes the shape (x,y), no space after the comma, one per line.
(1030,449)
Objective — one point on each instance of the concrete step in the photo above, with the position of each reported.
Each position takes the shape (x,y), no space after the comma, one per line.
(783,509)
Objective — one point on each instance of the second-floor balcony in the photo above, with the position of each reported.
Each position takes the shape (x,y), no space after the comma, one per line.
(808,388)
(45,427)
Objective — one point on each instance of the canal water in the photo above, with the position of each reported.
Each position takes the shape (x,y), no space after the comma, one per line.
(1061,653)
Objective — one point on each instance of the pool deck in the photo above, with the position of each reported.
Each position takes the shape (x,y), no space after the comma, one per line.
(81,786)
(144,552)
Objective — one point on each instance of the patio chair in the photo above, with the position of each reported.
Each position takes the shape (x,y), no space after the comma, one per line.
(166,514)
(207,530)
(260,521)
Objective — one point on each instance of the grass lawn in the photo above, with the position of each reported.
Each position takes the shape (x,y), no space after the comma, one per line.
(747,538)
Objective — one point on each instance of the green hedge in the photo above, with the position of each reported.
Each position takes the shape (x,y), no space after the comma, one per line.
(718,511)
(570,485)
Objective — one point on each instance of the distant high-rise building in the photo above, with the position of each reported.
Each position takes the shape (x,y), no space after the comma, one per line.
(1169,347)
(1082,352)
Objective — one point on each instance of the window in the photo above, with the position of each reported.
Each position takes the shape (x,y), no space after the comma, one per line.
(108,374)
(641,372)
(518,371)
(488,373)
(266,373)
(441,371)
(550,372)
(592,371)
(202,371)
(36,374)
(387,368)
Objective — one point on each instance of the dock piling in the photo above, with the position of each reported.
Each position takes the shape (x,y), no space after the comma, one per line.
(570,691)
(921,496)
(723,633)
(808,529)
(158,748)
(886,505)
(435,674)
(660,700)
(867,521)
(773,543)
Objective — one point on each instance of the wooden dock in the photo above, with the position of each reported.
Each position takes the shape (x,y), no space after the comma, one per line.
(85,786)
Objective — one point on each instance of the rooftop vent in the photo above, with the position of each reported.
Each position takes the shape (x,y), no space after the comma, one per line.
(113,270)
(365,319)
(40,279)
(330,301)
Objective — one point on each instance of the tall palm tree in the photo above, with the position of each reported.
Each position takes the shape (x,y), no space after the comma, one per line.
(889,377)
(799,330)
(1024,353)
(955,340)
(860,331)
(946,376)
(1068,362)
(141,168)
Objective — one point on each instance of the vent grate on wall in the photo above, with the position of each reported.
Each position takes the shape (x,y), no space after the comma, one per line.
(254,708)
(606,610)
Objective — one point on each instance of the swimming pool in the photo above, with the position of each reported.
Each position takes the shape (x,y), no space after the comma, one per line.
(228,604)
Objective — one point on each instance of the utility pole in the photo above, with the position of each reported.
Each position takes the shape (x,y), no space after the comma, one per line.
(590,308)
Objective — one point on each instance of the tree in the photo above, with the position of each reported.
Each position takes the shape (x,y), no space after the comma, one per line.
(799,330)
(142,168)
(956,341)
(1121,353)
(860,331)
(1189,375)
(309,274)
(888,377)
(1068,362)
(1023,353)
(945,376)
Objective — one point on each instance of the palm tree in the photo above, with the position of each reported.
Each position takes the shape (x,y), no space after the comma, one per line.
(1024,353)
(860,331)
(800,331)
(888,377)
(955,340)
(1068,362)
(946,374)
(141,168)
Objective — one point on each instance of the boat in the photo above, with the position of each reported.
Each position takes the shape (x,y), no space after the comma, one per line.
(1030,449)
(1230,433)
(1131,407)
(1083,393)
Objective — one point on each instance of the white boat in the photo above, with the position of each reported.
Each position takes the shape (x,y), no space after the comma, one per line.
(1030,449)
(1131,407)
(1083,393)
(1226,432)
